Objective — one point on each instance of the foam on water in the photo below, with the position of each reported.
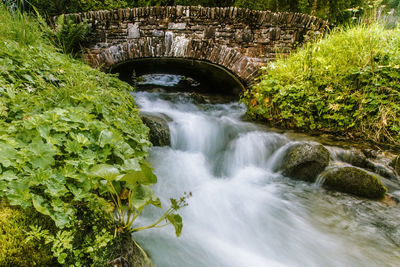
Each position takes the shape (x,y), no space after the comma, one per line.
(245,213)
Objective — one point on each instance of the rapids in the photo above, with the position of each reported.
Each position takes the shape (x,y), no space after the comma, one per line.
(243,213)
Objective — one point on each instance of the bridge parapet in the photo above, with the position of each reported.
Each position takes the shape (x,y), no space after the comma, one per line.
(241,40)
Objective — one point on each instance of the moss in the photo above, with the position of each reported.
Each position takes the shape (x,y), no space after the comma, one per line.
(126,252)
(14,251)
(355,181)
(305,161)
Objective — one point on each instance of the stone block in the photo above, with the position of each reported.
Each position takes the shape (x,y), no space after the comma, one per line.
(177,26)
(133,31)
(157,33)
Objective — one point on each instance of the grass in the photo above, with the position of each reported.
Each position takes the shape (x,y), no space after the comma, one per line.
(347,84)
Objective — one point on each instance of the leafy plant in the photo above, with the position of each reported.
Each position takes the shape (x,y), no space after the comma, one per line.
(346,84)
(138,194)
(59,121)
(68,35)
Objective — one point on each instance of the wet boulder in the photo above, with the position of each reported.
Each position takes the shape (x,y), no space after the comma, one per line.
(358,159)
(355,158)
(159,129)
(354,181)
(197,98)
(305,161)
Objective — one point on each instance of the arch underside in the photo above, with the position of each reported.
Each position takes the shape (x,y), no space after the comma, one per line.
(246,69)
(212,78)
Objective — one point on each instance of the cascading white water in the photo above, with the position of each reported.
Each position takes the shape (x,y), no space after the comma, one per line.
(242,212)
(160,79)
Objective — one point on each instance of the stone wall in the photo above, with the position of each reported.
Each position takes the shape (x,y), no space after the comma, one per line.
(241,40)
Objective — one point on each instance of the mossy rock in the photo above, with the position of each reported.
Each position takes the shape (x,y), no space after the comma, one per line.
(354,181)
(305,161)
(125,252)
(14,251)
(159,129)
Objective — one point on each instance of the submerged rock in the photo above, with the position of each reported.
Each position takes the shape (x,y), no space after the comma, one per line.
(305,161)
(355,158)
(159,129)
(354,181)
(396,164)
(359,159)
(197,98)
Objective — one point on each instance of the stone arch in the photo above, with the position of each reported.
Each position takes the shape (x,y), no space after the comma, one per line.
(240,40)
(176,47)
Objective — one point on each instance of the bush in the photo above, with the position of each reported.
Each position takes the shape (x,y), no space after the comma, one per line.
(348,84)
(72,147)
(59,118)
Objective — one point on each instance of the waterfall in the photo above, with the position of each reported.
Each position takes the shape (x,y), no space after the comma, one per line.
(243,212)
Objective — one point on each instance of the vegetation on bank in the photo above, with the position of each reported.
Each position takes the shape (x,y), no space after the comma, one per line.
(72,151)
(336,11)
(347,83)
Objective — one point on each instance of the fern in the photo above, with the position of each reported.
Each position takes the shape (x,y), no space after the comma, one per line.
(68,35)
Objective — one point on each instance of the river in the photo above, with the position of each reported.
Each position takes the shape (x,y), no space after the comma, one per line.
(243,212)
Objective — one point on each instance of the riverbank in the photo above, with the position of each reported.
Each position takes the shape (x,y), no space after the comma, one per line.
(58,119)
(245,207)
(345,84)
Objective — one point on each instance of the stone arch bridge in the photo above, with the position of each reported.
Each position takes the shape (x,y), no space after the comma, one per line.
(238,40)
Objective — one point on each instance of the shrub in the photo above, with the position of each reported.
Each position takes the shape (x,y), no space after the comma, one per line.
(348,84)
(61,124)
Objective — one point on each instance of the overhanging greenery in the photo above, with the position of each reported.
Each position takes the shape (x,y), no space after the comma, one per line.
(347,83)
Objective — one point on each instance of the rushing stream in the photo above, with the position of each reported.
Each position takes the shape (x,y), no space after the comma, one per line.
(243,213)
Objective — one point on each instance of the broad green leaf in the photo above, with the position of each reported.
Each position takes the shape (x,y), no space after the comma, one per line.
(104,171)
(88,157)
(73,146)
(44,131)
(143,196)
(124,150)
(176,221)
(18,193)
(106,137)
(55,187)
(40,205)
(81,139)
(144,176)
(39,177)
(79,193)
(148,171)
(7,155)
(8,176)
(61,212)
(131,165)
(42,155)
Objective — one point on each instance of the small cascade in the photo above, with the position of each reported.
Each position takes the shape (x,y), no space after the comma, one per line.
(243,212)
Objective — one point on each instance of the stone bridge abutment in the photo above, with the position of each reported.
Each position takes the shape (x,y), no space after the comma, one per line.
(239,40)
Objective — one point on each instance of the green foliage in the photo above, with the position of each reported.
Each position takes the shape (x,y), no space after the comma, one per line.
(14,250)
(347,83)
(68,35)
(86,244)
(336,11)
(70,136)
(138,194)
